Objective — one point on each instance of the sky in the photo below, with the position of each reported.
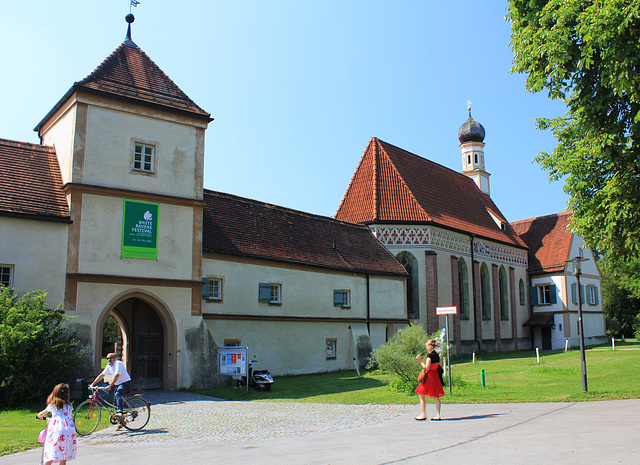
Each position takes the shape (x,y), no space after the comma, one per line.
(297,88)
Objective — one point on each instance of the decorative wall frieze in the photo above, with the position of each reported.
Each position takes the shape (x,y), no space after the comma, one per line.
(428,236)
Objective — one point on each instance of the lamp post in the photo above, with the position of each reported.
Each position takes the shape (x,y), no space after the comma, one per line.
(577,270)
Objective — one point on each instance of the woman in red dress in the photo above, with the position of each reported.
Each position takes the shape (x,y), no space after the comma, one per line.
(432,386)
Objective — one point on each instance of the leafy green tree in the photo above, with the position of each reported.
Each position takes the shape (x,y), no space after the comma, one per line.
(398,356)
(586,53)
(37,350)
(620,307)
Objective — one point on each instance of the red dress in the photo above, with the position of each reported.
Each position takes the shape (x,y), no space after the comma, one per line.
(432,387)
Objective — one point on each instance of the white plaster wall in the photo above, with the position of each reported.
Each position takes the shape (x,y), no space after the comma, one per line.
(101,241)
(387,297)
(304,293)
(38,251)
(285,347)
(109,150)
(61,137)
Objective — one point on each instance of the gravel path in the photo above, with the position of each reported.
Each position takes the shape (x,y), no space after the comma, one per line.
(182,418)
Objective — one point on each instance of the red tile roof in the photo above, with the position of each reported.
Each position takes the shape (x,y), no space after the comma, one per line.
(128,73)
(239,226)
(30,182)
(395,186)
(548,239)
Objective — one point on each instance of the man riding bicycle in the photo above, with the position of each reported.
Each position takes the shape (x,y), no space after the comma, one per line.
(120,379)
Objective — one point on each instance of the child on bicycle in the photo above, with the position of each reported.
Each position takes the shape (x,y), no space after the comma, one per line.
(60,443)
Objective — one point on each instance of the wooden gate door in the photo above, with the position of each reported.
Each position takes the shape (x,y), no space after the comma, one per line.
(147,346)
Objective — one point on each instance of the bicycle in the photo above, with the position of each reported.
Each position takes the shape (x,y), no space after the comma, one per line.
(87,416)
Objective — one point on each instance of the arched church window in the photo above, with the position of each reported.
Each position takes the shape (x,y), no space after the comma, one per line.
(463,289)
(504,293)
(410,265)
(485,292)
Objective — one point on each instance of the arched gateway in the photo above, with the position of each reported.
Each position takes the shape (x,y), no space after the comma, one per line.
(149,338)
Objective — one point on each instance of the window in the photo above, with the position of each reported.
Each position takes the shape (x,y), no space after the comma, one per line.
(212,289)
(543,294)
(592,295)
(332,349)
(504,294)
(410,264)
(521,289)
(485,292)
(463,289)
(342,298)
(270,293)
(143,157)
(6,275)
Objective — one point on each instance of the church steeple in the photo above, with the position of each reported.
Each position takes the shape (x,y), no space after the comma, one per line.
(471,136)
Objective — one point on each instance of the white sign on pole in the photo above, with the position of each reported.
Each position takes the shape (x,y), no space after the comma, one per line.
(446,310)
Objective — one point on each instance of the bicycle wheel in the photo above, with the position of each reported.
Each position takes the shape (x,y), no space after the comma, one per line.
(86,417)
(137,412)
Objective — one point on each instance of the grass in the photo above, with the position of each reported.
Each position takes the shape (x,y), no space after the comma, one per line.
(510,377)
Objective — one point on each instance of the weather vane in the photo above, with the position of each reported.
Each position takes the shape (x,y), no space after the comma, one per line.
(133,3)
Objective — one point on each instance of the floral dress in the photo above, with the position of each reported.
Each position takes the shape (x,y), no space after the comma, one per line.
(61,435)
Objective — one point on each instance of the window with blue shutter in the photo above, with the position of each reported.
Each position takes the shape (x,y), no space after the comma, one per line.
(337,298)
(533,295)
(264,292)
(205,288)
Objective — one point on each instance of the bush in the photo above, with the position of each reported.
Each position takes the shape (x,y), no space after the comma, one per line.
(398,356)
(37,350)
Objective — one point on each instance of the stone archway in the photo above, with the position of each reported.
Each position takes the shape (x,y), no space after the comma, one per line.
(149,338)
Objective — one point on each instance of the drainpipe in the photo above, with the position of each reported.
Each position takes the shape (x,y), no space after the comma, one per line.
(368,308)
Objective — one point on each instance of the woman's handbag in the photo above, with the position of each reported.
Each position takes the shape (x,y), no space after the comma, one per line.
(42,437)
(422,377)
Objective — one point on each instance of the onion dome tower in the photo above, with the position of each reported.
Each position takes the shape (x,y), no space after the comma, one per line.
(471,137)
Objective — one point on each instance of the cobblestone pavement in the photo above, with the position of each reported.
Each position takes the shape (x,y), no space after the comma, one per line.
(179,418)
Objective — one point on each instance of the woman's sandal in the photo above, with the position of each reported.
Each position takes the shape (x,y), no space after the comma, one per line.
(420,419)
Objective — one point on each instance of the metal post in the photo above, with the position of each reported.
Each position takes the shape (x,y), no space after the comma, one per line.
(448,357)
(583,360)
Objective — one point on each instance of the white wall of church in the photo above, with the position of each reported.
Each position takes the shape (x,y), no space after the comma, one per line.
(37,251)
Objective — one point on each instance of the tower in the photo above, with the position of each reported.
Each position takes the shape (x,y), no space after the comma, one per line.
(471,137)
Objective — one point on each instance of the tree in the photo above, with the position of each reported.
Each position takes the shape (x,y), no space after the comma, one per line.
(586,53)
(398,356)
(37,350)
(620,307)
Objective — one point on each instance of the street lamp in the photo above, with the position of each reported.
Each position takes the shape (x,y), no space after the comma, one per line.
(577,270)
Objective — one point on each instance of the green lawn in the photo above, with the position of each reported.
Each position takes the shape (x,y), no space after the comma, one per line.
(510,377)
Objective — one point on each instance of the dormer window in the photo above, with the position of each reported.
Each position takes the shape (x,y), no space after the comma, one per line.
(144,156)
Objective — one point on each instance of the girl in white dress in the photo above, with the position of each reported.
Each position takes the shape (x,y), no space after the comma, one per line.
(60,444)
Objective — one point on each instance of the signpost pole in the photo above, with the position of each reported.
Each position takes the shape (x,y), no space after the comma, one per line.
(448,356)
(446,311)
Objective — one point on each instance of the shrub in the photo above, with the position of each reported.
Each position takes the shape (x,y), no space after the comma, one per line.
(398,356)
(37,350)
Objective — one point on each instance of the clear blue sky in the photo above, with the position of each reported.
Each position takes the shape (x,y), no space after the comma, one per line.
(298,87)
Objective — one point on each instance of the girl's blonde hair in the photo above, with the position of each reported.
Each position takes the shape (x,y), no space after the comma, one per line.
(433,342)
(59,396)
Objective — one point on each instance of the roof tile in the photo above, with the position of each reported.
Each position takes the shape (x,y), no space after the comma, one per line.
(393,185)
(548,239)
(31,181)
(239,226)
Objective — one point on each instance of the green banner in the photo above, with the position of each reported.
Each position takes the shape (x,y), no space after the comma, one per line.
(140,230)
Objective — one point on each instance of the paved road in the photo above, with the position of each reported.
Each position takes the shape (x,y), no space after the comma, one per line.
(187,428)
